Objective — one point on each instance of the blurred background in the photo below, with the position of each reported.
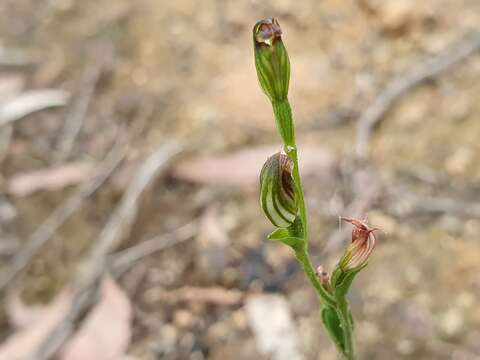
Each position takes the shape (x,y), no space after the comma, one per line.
(131,139)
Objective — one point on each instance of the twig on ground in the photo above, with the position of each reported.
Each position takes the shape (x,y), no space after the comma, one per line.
(95,264)
(6,133)
(63,212)
(123,216)
(81,302)
(423,175)
(77,112)
(212,295)
(367,189)
(123,260)
(406,202)
(29,102)
(428,69)
(457,351)
(50,179)
(68,207)
(16,58)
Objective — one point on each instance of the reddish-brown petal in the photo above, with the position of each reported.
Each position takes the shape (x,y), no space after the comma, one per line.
(363,243)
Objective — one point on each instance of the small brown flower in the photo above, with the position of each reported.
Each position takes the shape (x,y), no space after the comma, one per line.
(324,277)
(363,243)
(271,59)
(267,31)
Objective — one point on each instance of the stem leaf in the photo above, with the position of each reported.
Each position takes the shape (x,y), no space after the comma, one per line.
(342,280)
(291,236)
(332,324)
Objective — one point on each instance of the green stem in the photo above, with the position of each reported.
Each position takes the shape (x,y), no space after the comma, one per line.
(273,71)
(284,120)
(292,154)
(302,256)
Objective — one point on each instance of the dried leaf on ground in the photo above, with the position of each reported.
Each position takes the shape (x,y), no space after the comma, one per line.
(243,166)
(31,101)
(20,315)
(50,179)
(11,84)
(105,334)
(24,342)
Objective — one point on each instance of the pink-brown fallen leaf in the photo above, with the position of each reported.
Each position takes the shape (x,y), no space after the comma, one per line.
(25,341)
(50,179)
(243,167)
(21,315)
(125,173)
(11,84)
(105,334)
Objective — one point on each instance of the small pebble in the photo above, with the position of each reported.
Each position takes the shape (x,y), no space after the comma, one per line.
(183,319)
(452,322)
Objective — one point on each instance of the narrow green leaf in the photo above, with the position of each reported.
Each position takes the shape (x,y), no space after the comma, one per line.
(332,324)
(285,236)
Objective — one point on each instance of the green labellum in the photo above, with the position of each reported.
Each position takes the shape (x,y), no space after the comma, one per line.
(277,191)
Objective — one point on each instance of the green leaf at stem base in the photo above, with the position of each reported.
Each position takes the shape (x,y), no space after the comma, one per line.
(292,236)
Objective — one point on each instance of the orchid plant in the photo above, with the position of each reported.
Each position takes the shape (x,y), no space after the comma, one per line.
(283,202)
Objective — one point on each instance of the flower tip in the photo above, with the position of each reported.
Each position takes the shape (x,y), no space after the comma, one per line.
(266,31)
(363,243)
(357,223)
(271,60)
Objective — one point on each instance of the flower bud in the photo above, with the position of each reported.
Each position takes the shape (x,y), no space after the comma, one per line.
(271,59)
(363,243)
(323,277)
(277,190)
